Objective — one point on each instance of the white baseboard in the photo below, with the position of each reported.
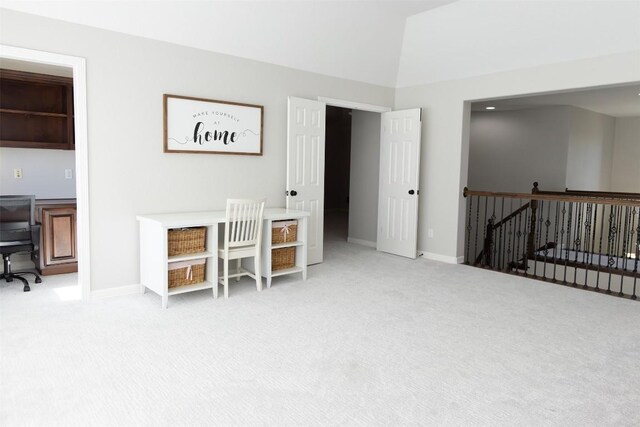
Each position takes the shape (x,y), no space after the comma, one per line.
(116,292)
(443,258)
(361,242)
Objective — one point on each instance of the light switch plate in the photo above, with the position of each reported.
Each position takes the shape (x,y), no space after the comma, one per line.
(68,174)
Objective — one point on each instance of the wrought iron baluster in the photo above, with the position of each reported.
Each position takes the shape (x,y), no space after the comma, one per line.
(475,255)
(625,242)
(512,237)
(547,223)
(470,203)
(538,237)
(500,242)
(517,225)
(611,240)
(525,243)
(600,247)
(577,243)
(558,247)
(566,255)
(508,235)
(587,237)
(637,259)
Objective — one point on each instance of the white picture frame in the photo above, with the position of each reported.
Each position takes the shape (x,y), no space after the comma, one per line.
(197,125)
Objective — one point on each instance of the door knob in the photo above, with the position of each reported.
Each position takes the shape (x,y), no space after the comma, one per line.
(411,192)
(294,193)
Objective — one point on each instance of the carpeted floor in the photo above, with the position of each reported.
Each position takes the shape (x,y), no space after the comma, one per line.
(368,339)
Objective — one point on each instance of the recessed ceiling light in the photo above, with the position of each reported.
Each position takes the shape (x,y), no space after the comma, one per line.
(490,108)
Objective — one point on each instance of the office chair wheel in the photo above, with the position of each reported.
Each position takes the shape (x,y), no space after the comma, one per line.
(26,288)
(38,280)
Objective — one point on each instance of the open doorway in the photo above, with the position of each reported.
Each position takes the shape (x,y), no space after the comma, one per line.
(67,285)
(352,158)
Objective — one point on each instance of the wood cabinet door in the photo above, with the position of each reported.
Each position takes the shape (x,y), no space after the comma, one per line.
(59,235)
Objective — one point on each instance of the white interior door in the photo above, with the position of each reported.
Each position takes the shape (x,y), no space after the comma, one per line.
(399,182)
(305,168)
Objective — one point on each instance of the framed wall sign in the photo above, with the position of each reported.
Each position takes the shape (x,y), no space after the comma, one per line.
(195,125)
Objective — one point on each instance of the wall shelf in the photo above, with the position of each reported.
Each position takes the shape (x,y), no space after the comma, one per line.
(189,257)
(190,288)
(33,113)
(286,245)
(36,111)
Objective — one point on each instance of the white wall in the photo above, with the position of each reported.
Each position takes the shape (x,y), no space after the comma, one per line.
(625,174)
(590,152)
(128,172)
(365,160)
(42,172)
(509,150)
(445,142)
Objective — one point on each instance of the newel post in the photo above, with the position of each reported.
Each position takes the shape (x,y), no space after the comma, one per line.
(532,227)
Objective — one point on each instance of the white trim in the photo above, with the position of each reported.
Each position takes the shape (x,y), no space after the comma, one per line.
(353,105)
(81,149)
(116,292)
(362,242)
(442,258)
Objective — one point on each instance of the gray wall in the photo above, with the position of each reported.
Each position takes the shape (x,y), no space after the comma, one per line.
(128,172)
(365,160)
(445,147)
(42,172)
(590,151)
(625,174)
(509,150)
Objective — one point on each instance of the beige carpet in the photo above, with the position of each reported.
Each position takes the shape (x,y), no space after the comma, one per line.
(369,339)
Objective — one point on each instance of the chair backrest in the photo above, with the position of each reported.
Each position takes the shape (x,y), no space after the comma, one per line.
(17,215)
(243,225)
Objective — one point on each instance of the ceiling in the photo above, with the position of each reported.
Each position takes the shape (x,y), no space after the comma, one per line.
(385,42)
(356,40)
(618,101)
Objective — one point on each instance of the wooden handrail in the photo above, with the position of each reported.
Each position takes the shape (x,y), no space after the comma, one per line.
(557,197)
(512,214)
(609,194)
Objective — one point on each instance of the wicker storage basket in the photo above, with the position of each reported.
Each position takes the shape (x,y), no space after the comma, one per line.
(186,273)
(283,258)
(186,240)
(284,231)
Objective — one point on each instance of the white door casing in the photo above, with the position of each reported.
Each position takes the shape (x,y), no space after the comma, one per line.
(399,182)
(305,168)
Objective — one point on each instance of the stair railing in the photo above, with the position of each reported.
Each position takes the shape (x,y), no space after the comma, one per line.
(590,239)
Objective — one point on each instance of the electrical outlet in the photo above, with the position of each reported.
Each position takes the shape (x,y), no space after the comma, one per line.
(17,173)
(430,233)
(68,174)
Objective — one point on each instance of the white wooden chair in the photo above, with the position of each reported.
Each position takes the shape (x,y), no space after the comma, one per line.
(242,239)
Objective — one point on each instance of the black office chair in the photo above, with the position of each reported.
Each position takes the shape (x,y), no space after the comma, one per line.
(18,233)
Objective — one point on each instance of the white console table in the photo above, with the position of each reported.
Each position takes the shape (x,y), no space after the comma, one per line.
(154,259)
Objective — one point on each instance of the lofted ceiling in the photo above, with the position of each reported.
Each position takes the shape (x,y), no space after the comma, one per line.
(393,43)
(356,40)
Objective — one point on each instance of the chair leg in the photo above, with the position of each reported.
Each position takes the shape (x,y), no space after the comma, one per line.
(26,287)
(239,265)
(258,272)
(225,278)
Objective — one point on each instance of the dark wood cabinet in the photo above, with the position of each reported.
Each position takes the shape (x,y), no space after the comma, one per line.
(58,239)
(36,110)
